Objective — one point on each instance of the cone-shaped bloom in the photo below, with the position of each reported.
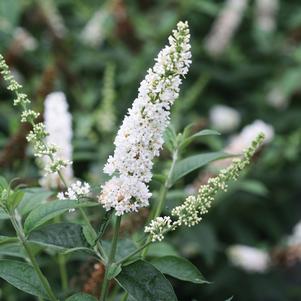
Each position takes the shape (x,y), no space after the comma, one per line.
(140,136)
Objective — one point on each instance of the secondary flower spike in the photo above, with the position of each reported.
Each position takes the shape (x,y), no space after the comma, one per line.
(140,136)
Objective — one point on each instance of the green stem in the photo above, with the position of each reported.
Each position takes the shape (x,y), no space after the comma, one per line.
(86,219)
(125,296)
(162,196)
(105,285)
(63,271)
(32,259)
(133,253)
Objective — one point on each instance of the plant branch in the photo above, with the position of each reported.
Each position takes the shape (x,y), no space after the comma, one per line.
(105,285)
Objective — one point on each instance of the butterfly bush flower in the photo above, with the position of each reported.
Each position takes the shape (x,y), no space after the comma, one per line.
(224,119)
(58,124)
(75,191)
(94,32)
(265,14)
(140,136)
(193,208)
(249,259)
(225,26)
(37,136)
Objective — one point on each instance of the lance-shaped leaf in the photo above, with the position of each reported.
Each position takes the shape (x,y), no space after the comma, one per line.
(144,282)
(61,235)
(22,276)
(192,163)
(33,197)
(178,267)
(46,212)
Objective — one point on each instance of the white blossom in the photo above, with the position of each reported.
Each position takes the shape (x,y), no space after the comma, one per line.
(191,211)
(265,14)
(140,136)
(58,124)
(23,41)
(225,26)
(239,142)
(158,227)
(248,258)
(75,191)
(94,32)
(277,98)
(295,238)
(224,119)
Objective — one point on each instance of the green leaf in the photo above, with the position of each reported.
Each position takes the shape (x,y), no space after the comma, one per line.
(3,214)
(159,249)
(170,138)
(89,234)
(22,276)
(201,133)
(114,270)
(192,163)
(33,197)
(144,282)
(15,199)
(7,239)
(229,299)
(254,187)
(178,267)
(61,235)
(81,297)
(46,212)
(11,249)
(124,248)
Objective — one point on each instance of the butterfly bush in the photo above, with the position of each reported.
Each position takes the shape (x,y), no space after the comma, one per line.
(249,258)
(194,207)
(37,136)
(225,26)
(140,136)
(58,124)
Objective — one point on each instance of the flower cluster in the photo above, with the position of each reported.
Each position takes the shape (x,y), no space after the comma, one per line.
(265,14)
(157,227)
(224,119)
(58,124)
(38,133)
(239,142)
(75,191)
(94,32)
(140,136)
(225,26)
(194,207)
(248,258)
(106,116)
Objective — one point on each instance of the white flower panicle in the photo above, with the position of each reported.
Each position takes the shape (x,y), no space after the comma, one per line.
(277,98)
(106,115)
(295,238)
(140,136)
(225,26)
(239,142)
(94,32)
(265,14)
(38,133)
(23,41)
(249,259)
(224,119)
(58,124)
(75,191)
(157,227)
(192,210)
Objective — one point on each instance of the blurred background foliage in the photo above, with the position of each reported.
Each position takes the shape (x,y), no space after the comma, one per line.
(97,52)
